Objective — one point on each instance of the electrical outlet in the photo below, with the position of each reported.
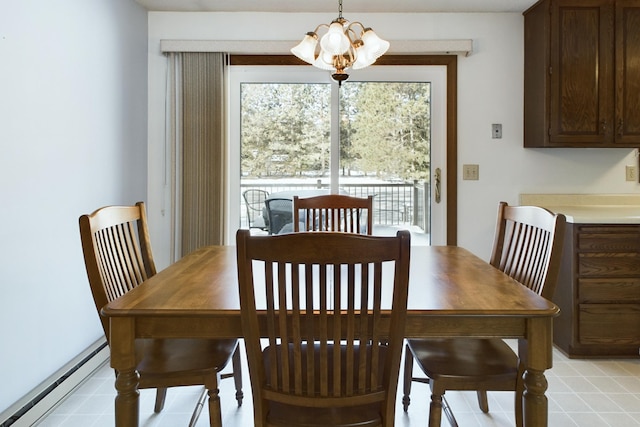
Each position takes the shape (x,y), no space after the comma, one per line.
(471,172)
(496,131)
(631,173)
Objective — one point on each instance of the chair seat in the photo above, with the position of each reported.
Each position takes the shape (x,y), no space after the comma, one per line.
(283,415)
(466,358)
(162,359)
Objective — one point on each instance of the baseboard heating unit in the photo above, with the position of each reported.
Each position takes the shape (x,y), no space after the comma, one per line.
(28,410)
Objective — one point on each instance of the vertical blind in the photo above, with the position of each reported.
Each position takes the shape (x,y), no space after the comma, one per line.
(199,154)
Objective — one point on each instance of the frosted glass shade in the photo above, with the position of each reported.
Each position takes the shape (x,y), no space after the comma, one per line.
(335,41)
(324,61)
(363,58)
(374,46)
(306,49)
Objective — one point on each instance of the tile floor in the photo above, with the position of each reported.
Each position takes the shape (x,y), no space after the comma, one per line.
(582,393)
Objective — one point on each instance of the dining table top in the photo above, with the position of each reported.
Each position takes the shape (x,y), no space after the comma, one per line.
(444,280)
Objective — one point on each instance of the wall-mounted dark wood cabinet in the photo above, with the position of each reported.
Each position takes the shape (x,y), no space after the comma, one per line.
(582,74)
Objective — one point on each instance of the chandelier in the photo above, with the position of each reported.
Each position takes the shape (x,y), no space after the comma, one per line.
(344,45)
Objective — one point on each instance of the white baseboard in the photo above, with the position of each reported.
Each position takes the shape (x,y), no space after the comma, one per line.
(28,410)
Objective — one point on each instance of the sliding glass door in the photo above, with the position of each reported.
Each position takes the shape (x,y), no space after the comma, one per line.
(293,129)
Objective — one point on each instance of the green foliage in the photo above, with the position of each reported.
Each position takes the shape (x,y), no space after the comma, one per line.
(384,129)
(389,128)
(285,129)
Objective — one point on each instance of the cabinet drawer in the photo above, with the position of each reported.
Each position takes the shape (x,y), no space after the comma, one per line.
(609,264)
(609,239)
(620,290)
(609,324)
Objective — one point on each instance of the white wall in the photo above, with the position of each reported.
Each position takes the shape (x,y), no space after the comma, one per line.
(73,103)
(490,90)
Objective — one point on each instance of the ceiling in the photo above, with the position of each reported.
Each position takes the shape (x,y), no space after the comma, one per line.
(331,6)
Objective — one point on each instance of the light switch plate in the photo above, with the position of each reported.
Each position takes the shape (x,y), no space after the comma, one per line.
(471,172)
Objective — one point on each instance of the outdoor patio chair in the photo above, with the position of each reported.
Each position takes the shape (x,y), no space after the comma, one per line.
(256,210)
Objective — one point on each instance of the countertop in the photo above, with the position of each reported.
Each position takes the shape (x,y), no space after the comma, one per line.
(589,208)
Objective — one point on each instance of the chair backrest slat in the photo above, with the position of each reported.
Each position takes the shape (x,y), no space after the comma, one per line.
(528,246)
(324,314)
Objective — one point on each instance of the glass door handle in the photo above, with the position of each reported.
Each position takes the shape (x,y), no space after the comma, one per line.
(437,184)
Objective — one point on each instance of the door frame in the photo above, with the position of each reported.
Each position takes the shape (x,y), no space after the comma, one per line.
(451,64)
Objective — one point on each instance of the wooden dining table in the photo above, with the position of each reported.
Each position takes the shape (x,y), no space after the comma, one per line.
(452,293)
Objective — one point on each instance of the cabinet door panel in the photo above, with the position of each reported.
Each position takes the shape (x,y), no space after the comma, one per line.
(628,71)
(582,72)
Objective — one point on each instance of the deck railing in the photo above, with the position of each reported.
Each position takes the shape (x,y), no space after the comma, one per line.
(401,203)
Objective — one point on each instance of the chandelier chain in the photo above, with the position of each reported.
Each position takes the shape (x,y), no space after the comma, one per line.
(339,8)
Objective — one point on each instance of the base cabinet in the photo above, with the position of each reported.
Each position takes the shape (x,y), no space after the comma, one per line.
(598,291)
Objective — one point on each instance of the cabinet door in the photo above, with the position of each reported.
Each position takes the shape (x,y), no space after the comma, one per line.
(628,72)
(582,77)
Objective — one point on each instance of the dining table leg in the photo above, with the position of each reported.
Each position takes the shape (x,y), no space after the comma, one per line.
(539,357)
(123,360)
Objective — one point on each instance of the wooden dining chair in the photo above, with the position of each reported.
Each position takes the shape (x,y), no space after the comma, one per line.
(323,366)
(527,247)
(118,257)
(333,212)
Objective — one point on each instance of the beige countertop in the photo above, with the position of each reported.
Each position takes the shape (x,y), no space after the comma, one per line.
(589,208)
